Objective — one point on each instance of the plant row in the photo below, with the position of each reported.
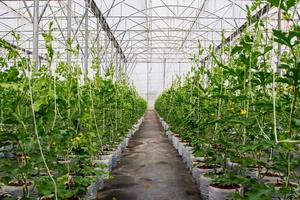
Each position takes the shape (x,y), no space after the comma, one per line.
(55,121)
(239,110)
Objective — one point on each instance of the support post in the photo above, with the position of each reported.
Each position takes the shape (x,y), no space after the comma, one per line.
(111,64)
(279,45)
(148,81)
(120,67)
(86,40)
(117,66)
(69,27)
(106,51)
(164,73)
(35,56)
(98,45)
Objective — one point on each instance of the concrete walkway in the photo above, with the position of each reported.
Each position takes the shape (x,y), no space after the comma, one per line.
(150,169)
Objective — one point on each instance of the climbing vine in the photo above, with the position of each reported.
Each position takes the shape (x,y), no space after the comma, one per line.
(245,111)
(54,123)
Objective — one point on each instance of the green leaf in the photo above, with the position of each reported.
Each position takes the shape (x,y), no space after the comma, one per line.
(283,4)
(282,37)
(290,4)
(12,86)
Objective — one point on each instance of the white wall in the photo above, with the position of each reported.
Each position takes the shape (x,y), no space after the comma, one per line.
(156,78)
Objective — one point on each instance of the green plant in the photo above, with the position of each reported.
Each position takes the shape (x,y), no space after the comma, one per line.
(237,107)
(54,123)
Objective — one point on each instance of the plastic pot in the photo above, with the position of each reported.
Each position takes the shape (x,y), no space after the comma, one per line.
(181,147)
(190,163)
(195,161)
(123,145)
(175,141)
(232,165)
(168,133)
(14,190)
(187,155)
(278,186)
(198,170)
(161,119)
(127,141)
(113,157)
(216,192)
(167,127)
(252,173)
(170,137)
(109,159)
(93,188)
(163,124)
(204,182)
(6,155)
(118,152)
(130,133)
(271,177)
(103,162)
(183,150)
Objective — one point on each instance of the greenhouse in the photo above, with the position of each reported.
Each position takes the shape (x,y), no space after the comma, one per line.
(150,99)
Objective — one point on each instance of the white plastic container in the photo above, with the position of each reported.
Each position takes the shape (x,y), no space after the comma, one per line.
(232,165)
(113,157)
(252,173)
(198,170)
(277,188)
(167,127)
(123,145)
(16,191)
(170,136)
(108,160)
(163,123)
(118,152)
(168,133)
(93,188)
(127,141)
(196,175)
(190,163)
(187,155)
(271,178)
(103,162)
(204,182)
(195,161)
(175,140)
(217,193)
(161,119)
(181,147)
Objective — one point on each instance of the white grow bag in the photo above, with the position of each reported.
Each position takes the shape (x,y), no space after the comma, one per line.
(181,147)
(197,171)
(175,141)
(204,182)
(216,193)
(187,154)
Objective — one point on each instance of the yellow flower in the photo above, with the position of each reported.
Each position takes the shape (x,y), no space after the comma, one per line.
(243,112)
(25,157)
(285,17)
(77,139)
(289,88)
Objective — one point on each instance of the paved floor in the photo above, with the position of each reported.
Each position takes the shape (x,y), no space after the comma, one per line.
(150,169)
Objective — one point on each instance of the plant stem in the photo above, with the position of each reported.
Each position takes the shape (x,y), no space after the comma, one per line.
(55,102)
(274,108)
(38,138)
(288,168)
(94,116)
